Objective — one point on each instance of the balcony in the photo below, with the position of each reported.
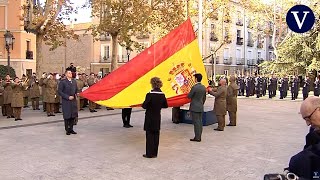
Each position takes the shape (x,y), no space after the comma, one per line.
(260,60)
(227,60)
(142,36)
(271,47)
(214,15)
(29,54)
(213,37)
(106,37)
(260,45)
(104,59)
(239,23)
(217,60)
(240,61)
(239,41)
(250,43)
(251,62)
(227,39)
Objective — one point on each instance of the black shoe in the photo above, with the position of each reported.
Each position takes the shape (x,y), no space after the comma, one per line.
(126,126)
(8,117)
(25,106)
(58,112)
(73,132)
(68,133)
(38,109)
(93,111)
(48,115)
(130,125)
(52,115)
(19,119)
(230,125)
(218,129)
(16,119)
(196,140)
(145,156)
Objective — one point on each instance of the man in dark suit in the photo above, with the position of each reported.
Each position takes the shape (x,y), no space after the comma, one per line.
(154,102)
(198,97)
(306,164)
(68,91)
(306,87)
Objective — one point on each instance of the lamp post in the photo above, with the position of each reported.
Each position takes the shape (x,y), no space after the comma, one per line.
(8,36)
(213,65)
(128,52)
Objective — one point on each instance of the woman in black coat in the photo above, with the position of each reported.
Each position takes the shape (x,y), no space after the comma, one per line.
(154,102)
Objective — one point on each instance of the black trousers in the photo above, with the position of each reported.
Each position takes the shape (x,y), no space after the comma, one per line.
(126,115)
(152,143)
(305,96)
(281,94)
(68,124)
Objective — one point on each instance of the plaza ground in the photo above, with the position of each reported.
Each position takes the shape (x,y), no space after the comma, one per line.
(269,132)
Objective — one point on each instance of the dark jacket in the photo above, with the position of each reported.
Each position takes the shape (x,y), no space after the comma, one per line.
(154,102)
(306,164)
(69,107)
(198,97)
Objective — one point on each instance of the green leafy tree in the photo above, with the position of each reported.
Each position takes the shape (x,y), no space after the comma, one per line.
(125,19)
(44,19)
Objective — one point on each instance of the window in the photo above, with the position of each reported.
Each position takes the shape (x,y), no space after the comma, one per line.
(238,33)
(226,53)
(226,72)
(212,27)
(259,54)
(249,35)
(105,52)
(28,45)
(29,72)
(238,53)
(249,54)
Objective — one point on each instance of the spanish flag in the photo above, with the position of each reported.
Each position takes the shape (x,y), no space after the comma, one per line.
(174,59)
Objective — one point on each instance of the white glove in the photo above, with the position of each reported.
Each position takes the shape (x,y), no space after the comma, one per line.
(49,76)
(43,75)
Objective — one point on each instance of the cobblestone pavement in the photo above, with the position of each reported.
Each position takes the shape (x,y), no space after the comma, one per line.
(269,132)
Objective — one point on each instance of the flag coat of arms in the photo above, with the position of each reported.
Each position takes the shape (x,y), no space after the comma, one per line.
(174,59)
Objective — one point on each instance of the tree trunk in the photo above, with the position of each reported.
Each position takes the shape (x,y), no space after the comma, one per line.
(39,58)
(114,59)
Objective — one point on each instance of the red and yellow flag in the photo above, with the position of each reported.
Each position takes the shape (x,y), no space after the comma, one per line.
(174,59)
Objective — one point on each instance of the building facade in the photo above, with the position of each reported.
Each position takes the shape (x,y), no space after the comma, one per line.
(243,52)
(89,54)
(23,58)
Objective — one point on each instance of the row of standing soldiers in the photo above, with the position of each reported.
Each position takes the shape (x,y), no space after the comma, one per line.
(15,93)
(258,85)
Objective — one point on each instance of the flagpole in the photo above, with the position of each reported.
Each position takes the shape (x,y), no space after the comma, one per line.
(200,6)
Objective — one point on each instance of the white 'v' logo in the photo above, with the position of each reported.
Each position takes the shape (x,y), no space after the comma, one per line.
(299,23)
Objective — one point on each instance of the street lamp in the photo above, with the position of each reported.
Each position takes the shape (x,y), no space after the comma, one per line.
(128,52)
(213,65)
(8,36)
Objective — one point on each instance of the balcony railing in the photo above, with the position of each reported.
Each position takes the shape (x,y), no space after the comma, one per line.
(239,41)
(213,37)
(240,61)
(250,43)
(105,37)
(29,54)
(260,45)
(227,39)
(260,60)
(217,60)
(142,36)
(214,16)
(251,62)
(227,60)
(239,23)
(104,59)
(271,47)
